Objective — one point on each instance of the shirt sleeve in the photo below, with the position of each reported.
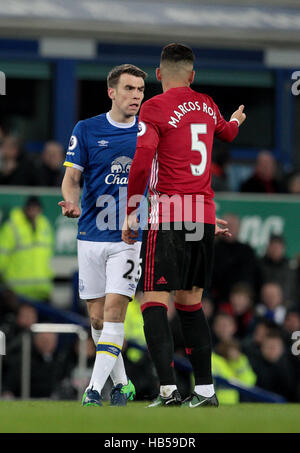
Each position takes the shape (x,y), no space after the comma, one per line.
(77,154)
(147,143)
(225,130)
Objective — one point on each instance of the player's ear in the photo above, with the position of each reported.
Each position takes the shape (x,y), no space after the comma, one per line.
(158,74)
(192,77)
(111,93)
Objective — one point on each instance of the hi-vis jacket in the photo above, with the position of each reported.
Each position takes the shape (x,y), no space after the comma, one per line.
(25,255)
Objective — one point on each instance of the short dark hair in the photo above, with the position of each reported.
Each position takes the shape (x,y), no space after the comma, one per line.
(242,287)
(223,347)
(175,53)
(33,201)
(276,238)
(116,72)
(274,334)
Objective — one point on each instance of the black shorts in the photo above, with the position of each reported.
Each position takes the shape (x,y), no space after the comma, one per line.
(171,262)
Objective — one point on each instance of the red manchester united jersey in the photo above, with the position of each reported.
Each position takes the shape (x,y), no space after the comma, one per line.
(174,146)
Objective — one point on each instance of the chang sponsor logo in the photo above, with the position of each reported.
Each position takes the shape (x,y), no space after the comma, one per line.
(120,168)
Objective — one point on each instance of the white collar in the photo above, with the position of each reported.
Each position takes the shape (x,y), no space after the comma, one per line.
(120,125)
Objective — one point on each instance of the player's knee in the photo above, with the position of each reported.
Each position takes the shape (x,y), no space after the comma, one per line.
(97,323)
(114,315)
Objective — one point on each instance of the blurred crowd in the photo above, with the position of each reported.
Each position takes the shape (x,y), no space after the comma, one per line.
(266,177)
(253,305)
(19,166)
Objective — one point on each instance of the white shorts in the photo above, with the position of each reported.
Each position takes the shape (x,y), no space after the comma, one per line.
(108,267)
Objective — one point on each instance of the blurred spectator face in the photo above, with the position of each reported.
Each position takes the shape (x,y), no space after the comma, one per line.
(230,349)
(26,316)
(271,295)
(240,300)
(260,333)
(265,166)
(10,148)
(45,343)
(233,225)
(53,155)
(276,249)
(32,208)
(272,349)
(292,322)
(294,184)
(33,211)
(224,326)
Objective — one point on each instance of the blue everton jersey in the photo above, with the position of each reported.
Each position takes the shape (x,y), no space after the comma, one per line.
(103,150)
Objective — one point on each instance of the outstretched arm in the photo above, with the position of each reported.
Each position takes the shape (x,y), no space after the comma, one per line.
(228,130)
(71,193)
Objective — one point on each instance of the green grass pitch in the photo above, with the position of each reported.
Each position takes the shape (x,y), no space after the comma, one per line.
(70,417)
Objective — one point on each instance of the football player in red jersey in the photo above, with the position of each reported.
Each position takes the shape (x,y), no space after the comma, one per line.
(174,146)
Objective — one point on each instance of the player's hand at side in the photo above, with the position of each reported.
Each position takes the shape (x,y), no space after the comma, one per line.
(130,229)
(70,209)
(239,114)
(220,230)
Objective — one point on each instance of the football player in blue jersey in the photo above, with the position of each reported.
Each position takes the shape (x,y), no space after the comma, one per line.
(101,150)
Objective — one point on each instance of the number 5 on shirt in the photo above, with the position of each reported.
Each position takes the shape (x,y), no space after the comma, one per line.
(198,145)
